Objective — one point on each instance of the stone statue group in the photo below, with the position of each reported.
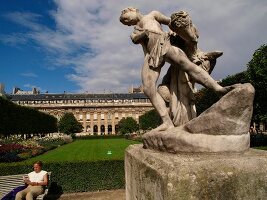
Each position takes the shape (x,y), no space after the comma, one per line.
(179,48)
(221,130)
(174,97)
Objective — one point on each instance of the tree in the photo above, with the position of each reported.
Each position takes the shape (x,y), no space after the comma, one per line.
(149,120)
(205,97)
(16,119)
(257,76)
(127,125)
(68,124)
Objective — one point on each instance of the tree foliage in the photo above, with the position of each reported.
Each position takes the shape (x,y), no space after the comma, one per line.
(257,76)
(205,98)
(15,119)
(68,124)
(149,120)
(127,125)
(240,77)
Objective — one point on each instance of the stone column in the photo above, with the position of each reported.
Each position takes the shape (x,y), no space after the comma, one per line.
(99,122)
(120,115)
(106,122)
(91,123)
(84,120)
(113,123)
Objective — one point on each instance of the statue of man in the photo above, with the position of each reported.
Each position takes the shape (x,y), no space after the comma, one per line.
(158,50)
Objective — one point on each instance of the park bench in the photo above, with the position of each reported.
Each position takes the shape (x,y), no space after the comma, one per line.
(8,183)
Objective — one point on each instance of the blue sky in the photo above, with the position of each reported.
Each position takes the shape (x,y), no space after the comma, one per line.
(24,62)
(80,45)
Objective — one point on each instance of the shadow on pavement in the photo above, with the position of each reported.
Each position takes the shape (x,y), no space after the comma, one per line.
(55,191)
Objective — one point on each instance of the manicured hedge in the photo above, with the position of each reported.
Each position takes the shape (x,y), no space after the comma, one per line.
(16,119)
(70,177)
(258,140)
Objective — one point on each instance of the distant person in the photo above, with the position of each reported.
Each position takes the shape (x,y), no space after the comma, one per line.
(36,181)
(252,130)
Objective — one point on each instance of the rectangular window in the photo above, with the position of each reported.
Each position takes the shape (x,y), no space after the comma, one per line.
(95,116)
(116,115)
(87,116)
(102,116)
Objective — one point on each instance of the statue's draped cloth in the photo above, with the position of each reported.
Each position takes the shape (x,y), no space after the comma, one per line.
(181,104)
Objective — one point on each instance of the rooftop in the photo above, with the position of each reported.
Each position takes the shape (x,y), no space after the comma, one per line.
(66,96)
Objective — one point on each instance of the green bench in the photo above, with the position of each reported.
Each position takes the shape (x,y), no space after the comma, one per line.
(8,183)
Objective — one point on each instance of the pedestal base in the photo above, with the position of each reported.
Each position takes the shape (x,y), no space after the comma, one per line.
(153,175)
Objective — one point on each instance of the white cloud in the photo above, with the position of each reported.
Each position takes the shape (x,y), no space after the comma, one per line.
(27,19)
(90,38)
(29,74)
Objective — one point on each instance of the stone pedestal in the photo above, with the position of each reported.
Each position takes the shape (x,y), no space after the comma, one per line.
(154,175)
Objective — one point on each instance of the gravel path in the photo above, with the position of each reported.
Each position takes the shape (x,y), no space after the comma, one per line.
(100,195)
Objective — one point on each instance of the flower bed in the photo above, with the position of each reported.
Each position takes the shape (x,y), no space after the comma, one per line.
(9,152)
(17,149)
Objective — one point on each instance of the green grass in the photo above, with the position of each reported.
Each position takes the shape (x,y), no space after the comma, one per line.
(261,148)
(86,150)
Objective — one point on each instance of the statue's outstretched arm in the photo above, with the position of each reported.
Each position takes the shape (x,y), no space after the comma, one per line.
(161,18)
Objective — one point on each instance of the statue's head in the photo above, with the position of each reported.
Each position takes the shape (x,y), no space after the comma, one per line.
(181,24)
(129,16)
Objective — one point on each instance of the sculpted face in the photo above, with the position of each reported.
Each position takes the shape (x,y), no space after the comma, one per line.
(129,17)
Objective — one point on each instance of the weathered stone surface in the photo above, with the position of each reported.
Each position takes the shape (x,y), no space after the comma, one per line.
(161,176)
(177,140)
(231,115)
(222,128)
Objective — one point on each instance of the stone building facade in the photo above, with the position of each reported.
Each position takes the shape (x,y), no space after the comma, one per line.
(98,113)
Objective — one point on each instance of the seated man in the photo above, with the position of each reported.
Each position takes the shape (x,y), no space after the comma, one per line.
(36,181)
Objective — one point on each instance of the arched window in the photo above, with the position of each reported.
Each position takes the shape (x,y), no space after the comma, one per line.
(116,128)
(102,129)
(109,129)
(95,129)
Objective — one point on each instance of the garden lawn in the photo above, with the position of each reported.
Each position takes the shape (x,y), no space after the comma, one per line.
(87,150)
(261,148)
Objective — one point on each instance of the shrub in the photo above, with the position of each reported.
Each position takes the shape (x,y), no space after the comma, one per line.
(127,125)
(149,120)
(16,119)
(84,176)
(68,124)
(258,140)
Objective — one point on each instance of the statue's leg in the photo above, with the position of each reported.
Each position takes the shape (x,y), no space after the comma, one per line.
(176,57)
(149,79)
